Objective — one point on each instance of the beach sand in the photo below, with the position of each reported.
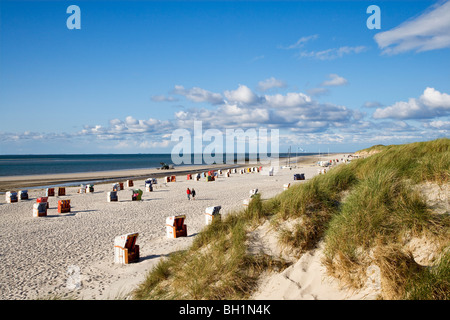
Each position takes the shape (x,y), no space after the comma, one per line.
(47,257)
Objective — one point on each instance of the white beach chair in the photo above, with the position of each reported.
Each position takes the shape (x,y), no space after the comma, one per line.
(125,248)
(212,213)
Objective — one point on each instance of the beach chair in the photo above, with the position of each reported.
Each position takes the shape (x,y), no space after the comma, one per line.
(212,213)
(82,189)
(40,209)
(302,176)
(125,249)
(197,177)
(115,187)
(63,206)
(189,177)
(286,186)
(253,192)
(43,200)
(167,179)
(173,178)
(136,195)
(130,183)
(11,197)
(112,196)
(228,174)
(121,186)
(90,188)
(148,186)
(61,191)
(175,226)
(246,202)
(23,194)
(50,192)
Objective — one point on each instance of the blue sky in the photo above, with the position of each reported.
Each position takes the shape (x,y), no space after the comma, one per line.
(138,70)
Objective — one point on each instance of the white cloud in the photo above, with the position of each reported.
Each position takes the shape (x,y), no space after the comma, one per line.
(161,98)
(372,104)
(439,124)
(301,42)
(317,91)
(429,31)
(335,80)
(242,94)
(270,83)
(430,104)
(330,54)
(291,99)
(198,94)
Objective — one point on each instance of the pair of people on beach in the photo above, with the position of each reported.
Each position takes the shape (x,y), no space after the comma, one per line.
(190,193)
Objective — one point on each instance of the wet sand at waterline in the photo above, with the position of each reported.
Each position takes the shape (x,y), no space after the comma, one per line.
(43,257)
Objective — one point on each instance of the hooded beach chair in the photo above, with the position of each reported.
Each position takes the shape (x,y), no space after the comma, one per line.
(137,195)
(253,192)
(173,178)
(189,177)
(112,196)
(61,191)
(40,209)
(23,194)
(11,196)
(125,249)
(130,183)
(286,186)
(175,226)
(148,187)
(212,213)
(89,188)
(82,189)
(43,200)
(50,192)
(63,206)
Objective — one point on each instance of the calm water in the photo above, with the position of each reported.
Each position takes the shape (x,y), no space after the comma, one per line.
(44,164)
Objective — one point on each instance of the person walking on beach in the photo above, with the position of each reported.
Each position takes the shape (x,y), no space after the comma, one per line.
(193,194)
(188,192)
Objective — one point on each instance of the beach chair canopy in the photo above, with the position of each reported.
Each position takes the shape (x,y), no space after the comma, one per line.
(175,221)
(213,210)
(127,241)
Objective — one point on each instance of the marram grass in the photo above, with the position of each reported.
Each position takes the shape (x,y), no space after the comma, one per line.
(363,211)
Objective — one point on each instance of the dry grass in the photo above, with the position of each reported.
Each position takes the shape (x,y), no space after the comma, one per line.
(381,210)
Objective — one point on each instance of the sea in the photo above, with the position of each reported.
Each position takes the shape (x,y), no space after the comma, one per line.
(16,165)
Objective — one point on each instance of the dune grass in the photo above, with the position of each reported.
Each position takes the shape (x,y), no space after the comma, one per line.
(363,211)
(216,266)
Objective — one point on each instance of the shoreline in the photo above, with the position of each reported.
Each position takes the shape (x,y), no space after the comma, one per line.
(42,181)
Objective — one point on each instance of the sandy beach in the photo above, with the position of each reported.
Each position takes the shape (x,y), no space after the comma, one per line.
(42,258)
